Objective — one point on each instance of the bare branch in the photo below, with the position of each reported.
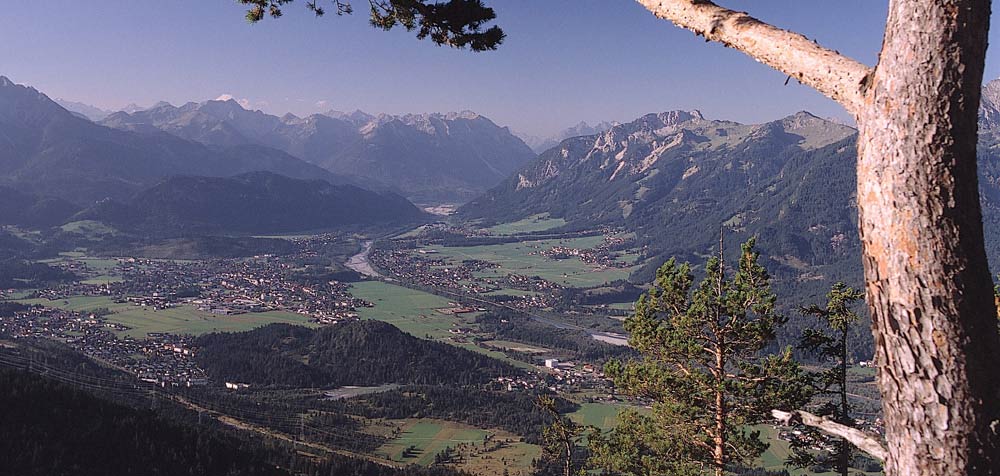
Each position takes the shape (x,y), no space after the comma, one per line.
(863,441)
(836,76)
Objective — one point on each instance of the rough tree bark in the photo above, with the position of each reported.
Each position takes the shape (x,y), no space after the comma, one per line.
(928,284)
(926,276)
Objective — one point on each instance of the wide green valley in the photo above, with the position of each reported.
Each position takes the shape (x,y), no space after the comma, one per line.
(485,238)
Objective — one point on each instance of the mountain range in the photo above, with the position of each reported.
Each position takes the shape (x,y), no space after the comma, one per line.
(541,144)
(57,167)
(255,202)
(48,151)
(83,110)
(430,158)
(674,178)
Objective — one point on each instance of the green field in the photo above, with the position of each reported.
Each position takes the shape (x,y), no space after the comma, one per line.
(517,347)
(101,270)
(179,320)
(525,258)
(512,292)
(540,222)
(430,437)
(90,229)
(778,451)
(103,279)
(408,309)
(600,415)
(415,312)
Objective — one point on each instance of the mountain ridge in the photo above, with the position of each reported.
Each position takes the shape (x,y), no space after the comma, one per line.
(429,157)
(47,150)
(254,202)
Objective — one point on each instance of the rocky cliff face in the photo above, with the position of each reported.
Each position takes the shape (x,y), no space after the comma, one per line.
(989,107)
(675,177)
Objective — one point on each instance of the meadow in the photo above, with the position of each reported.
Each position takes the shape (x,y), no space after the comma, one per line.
(178,320)
(429,437)
(415,312)
(600,415)
(411,310)
(540,222)
(525,258)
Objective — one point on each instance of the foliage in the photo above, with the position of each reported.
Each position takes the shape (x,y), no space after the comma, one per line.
(455,23)
(255,202)
(51,429)
(831,346)
(9,308)
(353,353)
(561,439)
(512,411)
(516,326)
(703,369)
(19,274)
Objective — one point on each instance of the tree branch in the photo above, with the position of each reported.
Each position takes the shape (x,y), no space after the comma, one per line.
(863,441)
(836,76)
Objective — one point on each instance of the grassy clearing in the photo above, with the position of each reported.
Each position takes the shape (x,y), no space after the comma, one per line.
(600,415)
(90,229)
(103,279)
(415,312)
(179,320)
(526,258)
(408,309)
(513,292)
(540,222)
(517,347)
(778,452)
(430,437)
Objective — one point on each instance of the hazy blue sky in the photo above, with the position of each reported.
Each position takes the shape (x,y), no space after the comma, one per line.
(564,60)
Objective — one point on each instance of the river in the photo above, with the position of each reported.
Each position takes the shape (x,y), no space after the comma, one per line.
(359,262)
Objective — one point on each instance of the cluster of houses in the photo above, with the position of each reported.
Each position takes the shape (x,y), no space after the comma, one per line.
(415,267)
(161,359)
(605,255)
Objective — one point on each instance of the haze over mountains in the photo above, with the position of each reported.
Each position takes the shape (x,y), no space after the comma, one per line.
(60,163)
(48,150)
(430,158)
(255,202)
(789,181)
(541,144)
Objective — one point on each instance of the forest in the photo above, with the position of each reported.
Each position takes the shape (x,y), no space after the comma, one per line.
(354,353)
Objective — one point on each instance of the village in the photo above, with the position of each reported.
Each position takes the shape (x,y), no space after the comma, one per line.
(422,269)
(161,359)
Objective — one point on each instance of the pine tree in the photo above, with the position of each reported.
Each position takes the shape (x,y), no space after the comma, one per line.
(561,438)
(831,345)
(704,370)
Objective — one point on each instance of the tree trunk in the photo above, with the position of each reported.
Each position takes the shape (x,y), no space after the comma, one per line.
(927,280)
(844,455)
(926,276)
(568,455)
(719,455)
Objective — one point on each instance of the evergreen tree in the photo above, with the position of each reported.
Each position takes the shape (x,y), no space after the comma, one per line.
(704,370)
(455,23)
(831,345)
(560,440)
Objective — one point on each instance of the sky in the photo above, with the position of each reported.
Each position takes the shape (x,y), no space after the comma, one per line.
(564,61)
